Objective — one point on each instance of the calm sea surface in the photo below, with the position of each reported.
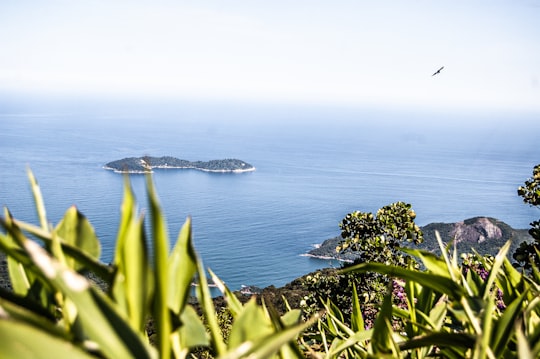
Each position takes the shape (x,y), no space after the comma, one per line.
(313,165)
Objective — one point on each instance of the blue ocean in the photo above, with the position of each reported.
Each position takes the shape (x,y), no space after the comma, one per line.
(314,164)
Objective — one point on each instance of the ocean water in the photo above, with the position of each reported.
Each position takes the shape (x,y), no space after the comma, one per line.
(313,166)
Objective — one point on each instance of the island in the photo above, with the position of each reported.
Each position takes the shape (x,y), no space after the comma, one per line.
(146,164)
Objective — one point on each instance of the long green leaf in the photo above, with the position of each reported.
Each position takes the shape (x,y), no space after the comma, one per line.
(38,198)
(192,332)
(268,345)
(233,303)
(23,340)
(438,283)
(13,246)
(483,348)
(182,265)
(18,276)
(432,262)
(495,268)
(250,325)
(75,230)
(102,270)
(382,342)
(524,350)
(161,248)
(133,282)
(129,224)
(441,340)
(205,300)
(132,288)
(20,281)
(447,260)
(98,317)
(337,348)
(504,326)
(22,309)
(357,319)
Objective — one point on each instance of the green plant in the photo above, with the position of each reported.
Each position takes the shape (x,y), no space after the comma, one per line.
(54,311)
(529,253)
(378,238)
(451,312)
(373,238)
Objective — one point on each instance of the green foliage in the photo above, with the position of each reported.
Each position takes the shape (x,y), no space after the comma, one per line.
(333,286)
(529,253)
(378,238)
(375,238)
(54,311)
(479,307)
(531,191)
(451,312)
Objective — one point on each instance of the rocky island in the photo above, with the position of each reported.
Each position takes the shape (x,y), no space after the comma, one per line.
(147,164)
(485,234)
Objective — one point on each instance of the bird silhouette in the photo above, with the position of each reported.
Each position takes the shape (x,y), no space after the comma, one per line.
(438,71)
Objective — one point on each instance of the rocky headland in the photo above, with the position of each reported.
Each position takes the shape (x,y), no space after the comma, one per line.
(148,164)
(484,234)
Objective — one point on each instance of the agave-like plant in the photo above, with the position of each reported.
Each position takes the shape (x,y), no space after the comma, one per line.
(450,313)
(55,311)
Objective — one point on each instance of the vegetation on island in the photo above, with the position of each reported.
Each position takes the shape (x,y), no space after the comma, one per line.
(147,164)
(397,303)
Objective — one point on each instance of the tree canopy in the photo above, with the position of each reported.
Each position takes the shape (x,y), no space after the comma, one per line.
(377,238)
(528,253)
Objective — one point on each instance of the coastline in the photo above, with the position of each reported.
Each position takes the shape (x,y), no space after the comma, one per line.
(146,164)
(251,169)
(327,258)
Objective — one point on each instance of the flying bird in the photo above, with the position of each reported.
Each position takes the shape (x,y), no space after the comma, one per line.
(438,71)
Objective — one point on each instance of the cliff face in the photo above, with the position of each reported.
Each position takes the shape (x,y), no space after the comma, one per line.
(480,230)
(486,235)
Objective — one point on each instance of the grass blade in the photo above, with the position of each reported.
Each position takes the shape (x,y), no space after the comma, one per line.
(38,199)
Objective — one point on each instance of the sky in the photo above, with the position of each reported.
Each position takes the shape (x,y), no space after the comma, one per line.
(340,52)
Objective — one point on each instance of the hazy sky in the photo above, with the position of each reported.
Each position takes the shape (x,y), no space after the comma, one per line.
(337,52)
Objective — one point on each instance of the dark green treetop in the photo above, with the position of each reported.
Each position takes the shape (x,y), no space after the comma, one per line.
(528,253)
(377,238)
